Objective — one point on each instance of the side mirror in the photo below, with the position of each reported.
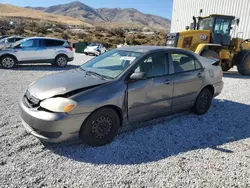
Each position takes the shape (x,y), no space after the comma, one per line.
(138,76)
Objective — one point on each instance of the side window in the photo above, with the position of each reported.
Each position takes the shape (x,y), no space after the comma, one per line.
(11,40)
(154,66)
(184,63)
(30,43)
(53,43)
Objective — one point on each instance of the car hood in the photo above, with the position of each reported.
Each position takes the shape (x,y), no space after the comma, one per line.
(62,83)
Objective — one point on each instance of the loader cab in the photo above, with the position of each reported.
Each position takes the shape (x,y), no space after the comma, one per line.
(220,27)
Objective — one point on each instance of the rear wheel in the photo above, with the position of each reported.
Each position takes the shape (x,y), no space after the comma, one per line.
(243,62)
(61,61)
(8,62)
(101,127)
(203,102)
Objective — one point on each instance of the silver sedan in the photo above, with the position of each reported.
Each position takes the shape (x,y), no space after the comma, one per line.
(117,88)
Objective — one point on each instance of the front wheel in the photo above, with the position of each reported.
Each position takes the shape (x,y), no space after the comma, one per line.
(61,61)
(203,102)
(101,127)
(243,62)
(8,62)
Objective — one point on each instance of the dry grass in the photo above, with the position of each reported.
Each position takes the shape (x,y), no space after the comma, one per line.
(19,12)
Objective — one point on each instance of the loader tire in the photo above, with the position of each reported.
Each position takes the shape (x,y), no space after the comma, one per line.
(243,62)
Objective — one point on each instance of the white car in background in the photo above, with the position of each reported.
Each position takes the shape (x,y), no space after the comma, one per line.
(95,49)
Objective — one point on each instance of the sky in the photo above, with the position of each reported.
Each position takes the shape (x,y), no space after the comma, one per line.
(158,7)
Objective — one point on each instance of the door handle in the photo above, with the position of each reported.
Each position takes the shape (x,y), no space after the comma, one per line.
(167,82)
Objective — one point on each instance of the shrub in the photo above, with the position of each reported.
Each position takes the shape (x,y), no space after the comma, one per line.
(64,36)
(42,27)
(19,29)
(118,32)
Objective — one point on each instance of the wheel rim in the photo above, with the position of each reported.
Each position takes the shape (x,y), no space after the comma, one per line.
(204,101)
(8,62)
(101,127)
(61,61)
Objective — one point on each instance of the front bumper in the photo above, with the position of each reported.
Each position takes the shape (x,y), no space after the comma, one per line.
(51,127)
(71,59)
(218,88)
(87,51)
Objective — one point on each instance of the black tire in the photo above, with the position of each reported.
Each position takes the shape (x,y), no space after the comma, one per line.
(61,61)
(101,127)
(203,102)
(210,53)
(225,66)
(8,62)
(243,62)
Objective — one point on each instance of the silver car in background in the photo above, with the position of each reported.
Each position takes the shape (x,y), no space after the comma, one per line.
(8,41)
(117,88)
(37,50)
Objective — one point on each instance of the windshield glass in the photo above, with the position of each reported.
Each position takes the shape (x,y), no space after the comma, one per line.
(111,64)
(206,24)
(18,42)
(94,44)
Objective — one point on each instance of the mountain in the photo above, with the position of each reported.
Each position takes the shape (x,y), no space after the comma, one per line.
(75,9)
(135,17)
(81,11)
(7,10)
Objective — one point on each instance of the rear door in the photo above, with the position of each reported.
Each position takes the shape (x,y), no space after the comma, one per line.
(188,79)
(51,47)
(151,97)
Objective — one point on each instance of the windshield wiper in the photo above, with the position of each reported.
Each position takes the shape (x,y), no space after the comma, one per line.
(99,75)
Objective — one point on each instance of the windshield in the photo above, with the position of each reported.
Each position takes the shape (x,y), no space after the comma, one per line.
(18,42)
(94,44)
(206,24)
(111,64)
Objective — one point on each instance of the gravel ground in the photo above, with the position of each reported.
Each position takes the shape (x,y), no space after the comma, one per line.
(183,150)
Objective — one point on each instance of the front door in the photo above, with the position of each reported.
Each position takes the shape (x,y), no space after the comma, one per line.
(188,80)
(151,97)
(28,50)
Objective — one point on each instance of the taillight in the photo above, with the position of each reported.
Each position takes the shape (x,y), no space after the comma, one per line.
(69,47)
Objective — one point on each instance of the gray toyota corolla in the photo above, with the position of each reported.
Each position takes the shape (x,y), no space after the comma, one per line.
(116,88)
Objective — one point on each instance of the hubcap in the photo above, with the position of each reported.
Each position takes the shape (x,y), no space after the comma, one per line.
(204,101)
(61,61)
(8,62)
(101,127)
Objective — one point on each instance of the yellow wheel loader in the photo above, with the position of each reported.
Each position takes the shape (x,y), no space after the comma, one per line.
(210,37)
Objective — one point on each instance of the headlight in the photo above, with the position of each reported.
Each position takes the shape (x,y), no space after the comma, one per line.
(58,104)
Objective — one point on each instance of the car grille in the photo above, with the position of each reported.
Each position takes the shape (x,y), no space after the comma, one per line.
(31,101)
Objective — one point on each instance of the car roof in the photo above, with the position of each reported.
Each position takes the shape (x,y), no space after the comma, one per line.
(145,49)
(50,38)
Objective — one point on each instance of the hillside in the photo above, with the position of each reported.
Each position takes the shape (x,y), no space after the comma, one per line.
(7,10)
(135,17)
(116,15)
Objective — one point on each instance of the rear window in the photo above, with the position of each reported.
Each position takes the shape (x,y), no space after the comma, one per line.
(49,43)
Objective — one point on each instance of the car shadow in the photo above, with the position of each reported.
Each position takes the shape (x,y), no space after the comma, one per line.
(235,74)
(42,67)
(164,137)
